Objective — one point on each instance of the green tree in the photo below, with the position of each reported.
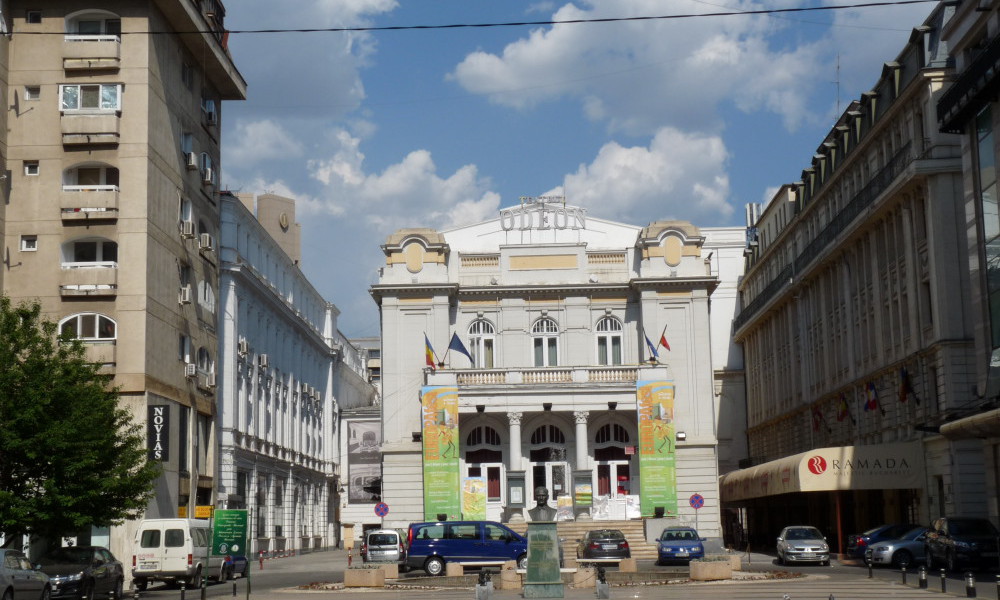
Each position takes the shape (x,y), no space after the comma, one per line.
(70,456)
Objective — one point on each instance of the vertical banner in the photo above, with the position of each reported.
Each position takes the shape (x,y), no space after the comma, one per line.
(364,462)
(474,498)
(657,460)
(439,432)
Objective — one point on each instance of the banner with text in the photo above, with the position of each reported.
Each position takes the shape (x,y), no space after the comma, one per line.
(474,498)
(657,460)
(439,432)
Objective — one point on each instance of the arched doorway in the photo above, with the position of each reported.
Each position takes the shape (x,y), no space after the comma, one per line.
(613,471)
(549,469)
(484,458)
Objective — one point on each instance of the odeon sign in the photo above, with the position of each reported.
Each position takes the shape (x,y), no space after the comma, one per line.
(539,215)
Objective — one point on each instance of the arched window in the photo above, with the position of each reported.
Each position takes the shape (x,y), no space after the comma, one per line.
(206,296)
(481,341)
(90,252)
(545,341)
(89,327)
(609,341)
(90,177)
(205,362)
(482,445)
(90,24)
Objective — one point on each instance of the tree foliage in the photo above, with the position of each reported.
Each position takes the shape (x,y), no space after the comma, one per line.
(70,456)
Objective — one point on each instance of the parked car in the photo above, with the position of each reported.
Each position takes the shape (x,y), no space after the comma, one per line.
(19,580)
(603,543)
(176,550)
(955,542)
(83,571)
(802,543)
(907,549)
(858,543)
(679,544)
(383,546)
(431,545)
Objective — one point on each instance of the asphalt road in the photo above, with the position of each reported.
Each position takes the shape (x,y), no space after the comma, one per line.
(281,577)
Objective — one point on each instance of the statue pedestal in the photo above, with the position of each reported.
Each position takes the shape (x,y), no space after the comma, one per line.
(543,579)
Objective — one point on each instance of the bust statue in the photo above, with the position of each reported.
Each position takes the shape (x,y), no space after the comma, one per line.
(542,512)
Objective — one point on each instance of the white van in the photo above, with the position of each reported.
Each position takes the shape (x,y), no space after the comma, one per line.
(177,550)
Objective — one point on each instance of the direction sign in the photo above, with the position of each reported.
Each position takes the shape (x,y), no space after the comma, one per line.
(229,532)
(697,501)
(381,509)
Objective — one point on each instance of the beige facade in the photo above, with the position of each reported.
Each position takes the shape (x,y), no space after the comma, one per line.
(855,319)
(112,152)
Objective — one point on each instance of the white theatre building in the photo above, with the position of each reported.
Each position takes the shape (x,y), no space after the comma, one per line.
(558,390)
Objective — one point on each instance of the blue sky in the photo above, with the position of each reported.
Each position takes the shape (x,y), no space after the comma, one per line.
(635,121)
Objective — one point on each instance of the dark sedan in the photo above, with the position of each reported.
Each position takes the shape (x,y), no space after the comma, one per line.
(83,572)
(603,543)
(957,542)
(859,543)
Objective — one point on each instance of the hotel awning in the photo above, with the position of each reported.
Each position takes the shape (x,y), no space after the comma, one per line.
(882,466)
(982,425)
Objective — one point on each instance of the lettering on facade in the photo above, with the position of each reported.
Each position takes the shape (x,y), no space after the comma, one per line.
(876,464)
(158,432)
(539,215)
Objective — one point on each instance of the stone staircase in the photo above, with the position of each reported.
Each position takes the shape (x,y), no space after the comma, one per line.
(571,531)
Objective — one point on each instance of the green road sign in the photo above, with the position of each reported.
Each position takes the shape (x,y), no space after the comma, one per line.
(229,532)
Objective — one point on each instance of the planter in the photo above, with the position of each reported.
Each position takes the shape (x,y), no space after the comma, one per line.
(364,578)
(391,570)
(711,570)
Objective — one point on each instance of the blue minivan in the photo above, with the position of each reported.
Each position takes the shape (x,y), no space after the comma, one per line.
(431,545)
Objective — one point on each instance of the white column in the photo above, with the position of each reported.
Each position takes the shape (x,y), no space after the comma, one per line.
(515,441)
(581,438)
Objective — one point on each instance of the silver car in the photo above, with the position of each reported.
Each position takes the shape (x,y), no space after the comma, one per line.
(802,543)
(19,580)
(907,550)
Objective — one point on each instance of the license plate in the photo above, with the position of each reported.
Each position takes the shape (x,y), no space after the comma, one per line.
(808,555)
(988,554)
(610,546)
(148,565)
(682,553)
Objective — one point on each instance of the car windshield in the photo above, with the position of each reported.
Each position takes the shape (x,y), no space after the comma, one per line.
(913,533)
(67,556)
(679,534)
(803,533)
(382,539)
(605,534)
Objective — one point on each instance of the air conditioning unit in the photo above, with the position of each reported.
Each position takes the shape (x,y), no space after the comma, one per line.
(185,296)
(262,361)
(207,176)
(243,347)
(205,242)
(190,370)
(191,160)
(187,229)
(210,380)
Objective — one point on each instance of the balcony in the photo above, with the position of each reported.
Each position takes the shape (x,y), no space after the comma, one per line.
(89,279)
(82,129)
(87,202)
(545,376)
(102,353)
(91,52)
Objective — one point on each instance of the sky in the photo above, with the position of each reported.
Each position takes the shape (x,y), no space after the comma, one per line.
(635,121)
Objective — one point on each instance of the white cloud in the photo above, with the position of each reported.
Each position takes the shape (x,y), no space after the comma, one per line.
(679,175)
(257,141)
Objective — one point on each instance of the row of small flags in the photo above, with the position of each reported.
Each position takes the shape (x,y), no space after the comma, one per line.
(431,358)
(871,402)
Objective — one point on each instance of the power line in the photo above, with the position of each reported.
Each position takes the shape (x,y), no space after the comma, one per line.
(771,11)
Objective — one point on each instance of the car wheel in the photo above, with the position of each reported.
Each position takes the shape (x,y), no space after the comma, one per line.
(902,557)
(195,581)
(434,566)
(952,564)
(46,593)
(826,563)
(140,585)
(781,559)
(522,561)
(225,574)
(87,590)
(8,595)
(119,589)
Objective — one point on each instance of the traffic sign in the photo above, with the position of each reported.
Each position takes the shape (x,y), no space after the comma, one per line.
(697,501)
(381,509)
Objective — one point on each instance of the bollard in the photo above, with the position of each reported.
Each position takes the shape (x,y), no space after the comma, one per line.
(261,558)
(998,586)
(234,589)
(944,581)
(902,571)
(923,578)
(183,589)
(350,557)
(870,573)
(970,585)
(603,589)
(135,591)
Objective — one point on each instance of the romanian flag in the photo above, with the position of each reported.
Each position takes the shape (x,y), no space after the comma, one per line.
(843,410)
(663,340)
(906,386)
(429,353)
(872,401)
